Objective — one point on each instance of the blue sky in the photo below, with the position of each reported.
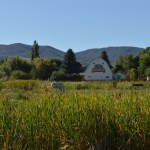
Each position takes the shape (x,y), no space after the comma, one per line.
(76,24)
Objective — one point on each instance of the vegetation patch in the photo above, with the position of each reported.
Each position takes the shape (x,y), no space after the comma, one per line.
(91,116)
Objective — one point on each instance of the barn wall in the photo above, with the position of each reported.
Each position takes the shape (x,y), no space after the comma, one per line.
(92,73)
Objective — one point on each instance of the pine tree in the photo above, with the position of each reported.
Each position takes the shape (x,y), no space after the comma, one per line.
(70,65)
(105,57)
(35,51)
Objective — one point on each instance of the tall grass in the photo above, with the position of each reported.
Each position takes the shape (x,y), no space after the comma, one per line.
(94,117)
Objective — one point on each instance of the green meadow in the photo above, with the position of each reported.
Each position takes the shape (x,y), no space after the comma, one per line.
(85,116)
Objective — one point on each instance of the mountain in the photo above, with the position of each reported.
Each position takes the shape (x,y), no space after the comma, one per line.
(24,50)
(84,57)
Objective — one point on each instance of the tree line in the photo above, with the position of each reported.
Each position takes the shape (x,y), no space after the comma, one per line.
(39,68)
(69,68)
(134,67)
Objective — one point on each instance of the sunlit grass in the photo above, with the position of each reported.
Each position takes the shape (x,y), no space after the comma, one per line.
(87,115)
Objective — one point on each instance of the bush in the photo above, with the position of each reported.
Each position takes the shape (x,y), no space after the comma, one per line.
(19,75)
(14,64)
(42,68)
(61,76)
(18,63)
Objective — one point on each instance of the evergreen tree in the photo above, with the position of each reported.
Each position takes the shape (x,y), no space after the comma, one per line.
(70,65)
(106,58)
(35,51)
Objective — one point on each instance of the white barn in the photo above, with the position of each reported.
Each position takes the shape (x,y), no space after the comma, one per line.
(98,70)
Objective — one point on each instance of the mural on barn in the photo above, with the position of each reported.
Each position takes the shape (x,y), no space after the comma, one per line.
(98,68)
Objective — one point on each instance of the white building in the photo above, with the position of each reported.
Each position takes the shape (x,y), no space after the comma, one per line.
(98,70)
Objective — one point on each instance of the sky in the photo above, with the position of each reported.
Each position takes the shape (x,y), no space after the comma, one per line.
(76,24)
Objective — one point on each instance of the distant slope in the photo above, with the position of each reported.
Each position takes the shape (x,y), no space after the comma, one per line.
(84,57)
(24,50)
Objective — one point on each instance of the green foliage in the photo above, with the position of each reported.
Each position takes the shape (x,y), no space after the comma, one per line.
(2,61)
(42,68)
(145,51)
(5,70)
(58,75)
(55,61)
(35,51)
(83,119)
(127,65)
(131,74)
(18,68)
(18,63)
(144,63)
(62,76)
(117,68)
(119,61)
(14,64)
(127,62)
(17,74)
(147,72)
(70,65)
(2,74)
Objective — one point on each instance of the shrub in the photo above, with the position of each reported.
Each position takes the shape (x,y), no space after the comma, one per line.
(18,63)
(42,68)
(2,75)
(19,75)
(61,76)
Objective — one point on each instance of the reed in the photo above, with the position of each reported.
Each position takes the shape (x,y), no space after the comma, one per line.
(94,117)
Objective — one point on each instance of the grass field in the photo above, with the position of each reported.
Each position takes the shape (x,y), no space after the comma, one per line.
(86,116)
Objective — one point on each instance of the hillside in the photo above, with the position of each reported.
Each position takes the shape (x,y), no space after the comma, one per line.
(24,50)
(84,57)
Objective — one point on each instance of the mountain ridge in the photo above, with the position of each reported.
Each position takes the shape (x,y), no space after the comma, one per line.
(112,52)
(84,57)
